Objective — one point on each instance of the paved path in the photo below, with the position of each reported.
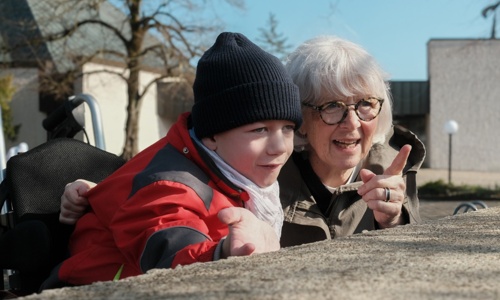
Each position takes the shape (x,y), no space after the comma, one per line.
(433,210)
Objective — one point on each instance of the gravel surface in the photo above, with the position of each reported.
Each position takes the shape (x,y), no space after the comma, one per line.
(455,257)
(445,257)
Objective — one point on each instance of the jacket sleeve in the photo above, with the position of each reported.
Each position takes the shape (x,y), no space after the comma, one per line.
(401,137)
(411,202)
(164,225)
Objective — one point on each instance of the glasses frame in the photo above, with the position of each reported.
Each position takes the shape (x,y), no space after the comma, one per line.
(321,108)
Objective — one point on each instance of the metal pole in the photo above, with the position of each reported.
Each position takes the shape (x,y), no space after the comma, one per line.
(95,113)
(449,160)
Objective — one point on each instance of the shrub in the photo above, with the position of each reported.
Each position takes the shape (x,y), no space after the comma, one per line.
(439,190)
(7,90)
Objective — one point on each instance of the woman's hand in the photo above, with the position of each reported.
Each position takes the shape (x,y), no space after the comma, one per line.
(385,193)
(73,201)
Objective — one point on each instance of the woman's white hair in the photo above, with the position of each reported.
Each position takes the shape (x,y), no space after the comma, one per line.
(337,67)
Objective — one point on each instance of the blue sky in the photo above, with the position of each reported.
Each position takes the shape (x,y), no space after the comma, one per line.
(396,32)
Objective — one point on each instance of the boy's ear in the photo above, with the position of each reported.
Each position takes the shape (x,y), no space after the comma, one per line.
(210,143)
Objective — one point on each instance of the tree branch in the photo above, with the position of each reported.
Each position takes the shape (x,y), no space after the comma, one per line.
(69,31)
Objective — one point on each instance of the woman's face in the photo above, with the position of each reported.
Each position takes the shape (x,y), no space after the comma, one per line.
(337,149)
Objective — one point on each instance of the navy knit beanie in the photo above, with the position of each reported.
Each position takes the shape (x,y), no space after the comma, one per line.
(238,83)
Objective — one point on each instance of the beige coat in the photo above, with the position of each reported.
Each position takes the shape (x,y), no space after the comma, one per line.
(346,212)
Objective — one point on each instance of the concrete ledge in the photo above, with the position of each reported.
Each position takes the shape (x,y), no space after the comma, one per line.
(455,257)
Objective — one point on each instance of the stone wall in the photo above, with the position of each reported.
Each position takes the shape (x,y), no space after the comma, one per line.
(457,257)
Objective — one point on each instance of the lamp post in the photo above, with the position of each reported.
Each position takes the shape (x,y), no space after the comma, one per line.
(451,127)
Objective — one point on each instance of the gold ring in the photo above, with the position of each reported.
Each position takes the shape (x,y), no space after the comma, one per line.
(387,194)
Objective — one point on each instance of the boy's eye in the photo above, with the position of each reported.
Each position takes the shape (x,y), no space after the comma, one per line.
(289,128)
(260,129)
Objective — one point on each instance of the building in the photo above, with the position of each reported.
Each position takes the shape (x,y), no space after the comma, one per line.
(36,20)
(463,85)
(411,107)
(464,77)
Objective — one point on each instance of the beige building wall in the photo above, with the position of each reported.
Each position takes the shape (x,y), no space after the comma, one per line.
(111,94)
(464,78)
(25,107)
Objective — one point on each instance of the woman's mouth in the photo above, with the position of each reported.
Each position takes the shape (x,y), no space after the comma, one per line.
(346,144)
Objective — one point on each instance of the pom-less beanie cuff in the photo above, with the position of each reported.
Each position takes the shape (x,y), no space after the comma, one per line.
(237,83)
(247,104)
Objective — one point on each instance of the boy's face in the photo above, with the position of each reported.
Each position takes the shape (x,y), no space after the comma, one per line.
(257,150)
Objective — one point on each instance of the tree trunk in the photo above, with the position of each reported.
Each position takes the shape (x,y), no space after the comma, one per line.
(130,147)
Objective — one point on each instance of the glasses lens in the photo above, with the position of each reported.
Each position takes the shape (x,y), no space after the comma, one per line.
(333,112)
(368,109)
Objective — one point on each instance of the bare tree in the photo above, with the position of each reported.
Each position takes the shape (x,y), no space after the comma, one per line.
(272,41)
(160,34)
(486,10)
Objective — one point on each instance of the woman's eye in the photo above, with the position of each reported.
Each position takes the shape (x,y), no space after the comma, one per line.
(332,106)
(365,103)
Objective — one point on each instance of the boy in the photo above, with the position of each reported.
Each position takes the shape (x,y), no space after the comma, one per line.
(182,199)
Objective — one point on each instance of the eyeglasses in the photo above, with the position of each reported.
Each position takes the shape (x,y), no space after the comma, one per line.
(336,111)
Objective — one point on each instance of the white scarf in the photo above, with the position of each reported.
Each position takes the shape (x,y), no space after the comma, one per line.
(264,203)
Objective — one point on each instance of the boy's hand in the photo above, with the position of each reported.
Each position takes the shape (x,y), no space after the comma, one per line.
(247,234)
(73,202)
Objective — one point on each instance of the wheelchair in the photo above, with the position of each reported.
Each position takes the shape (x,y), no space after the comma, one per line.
(32,240)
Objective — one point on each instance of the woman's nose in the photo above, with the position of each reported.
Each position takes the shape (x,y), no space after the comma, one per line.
(351,119)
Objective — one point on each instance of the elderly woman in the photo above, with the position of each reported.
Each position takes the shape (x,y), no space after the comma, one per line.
(352,170)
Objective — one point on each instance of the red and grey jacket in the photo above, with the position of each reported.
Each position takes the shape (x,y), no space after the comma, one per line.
(157,211)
